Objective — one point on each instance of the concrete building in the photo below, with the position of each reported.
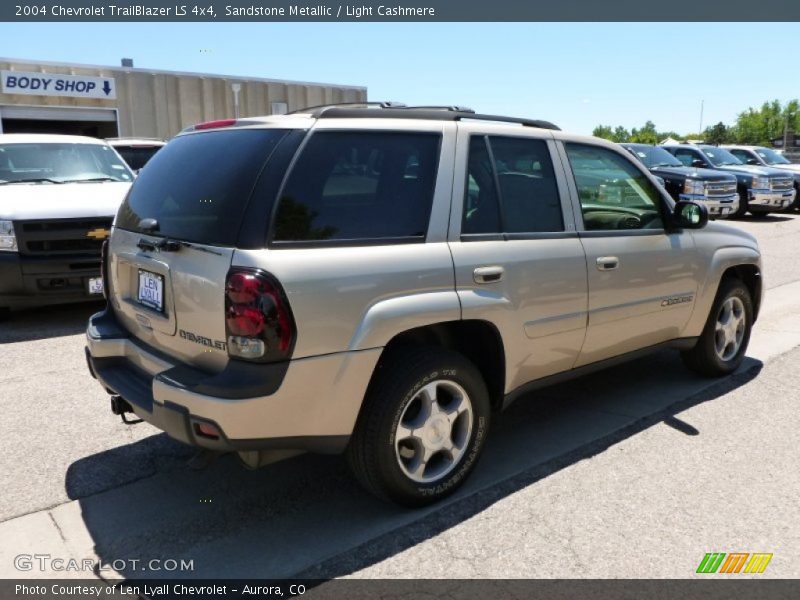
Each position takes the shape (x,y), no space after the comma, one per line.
(139,102)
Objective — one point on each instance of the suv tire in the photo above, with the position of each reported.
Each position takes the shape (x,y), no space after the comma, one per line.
(422,427)
(722,345)
(743,205)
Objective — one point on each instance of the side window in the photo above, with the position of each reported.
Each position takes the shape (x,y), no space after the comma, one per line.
(687,157)
(743,155)
(511,187)
(614,194)
(359,186)
(481,204)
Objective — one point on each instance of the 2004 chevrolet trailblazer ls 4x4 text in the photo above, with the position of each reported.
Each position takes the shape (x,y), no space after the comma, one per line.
(378,280)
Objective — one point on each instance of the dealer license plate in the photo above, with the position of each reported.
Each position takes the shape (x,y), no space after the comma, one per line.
(96,285)
(151,290)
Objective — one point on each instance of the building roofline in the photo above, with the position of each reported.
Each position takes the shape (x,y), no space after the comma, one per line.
(232,78)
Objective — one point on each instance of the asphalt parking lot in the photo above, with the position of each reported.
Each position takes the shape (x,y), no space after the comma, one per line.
(633,472)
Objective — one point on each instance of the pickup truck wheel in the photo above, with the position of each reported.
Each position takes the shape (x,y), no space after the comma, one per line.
(422,427)
(743,205)
(723,343)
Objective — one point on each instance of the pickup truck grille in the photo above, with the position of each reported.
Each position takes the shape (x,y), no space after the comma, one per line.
(782,184)
(715,189)
(82,237)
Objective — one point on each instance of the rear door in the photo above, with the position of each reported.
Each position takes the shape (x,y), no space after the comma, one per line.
(642,278)
(201,196)
(518,261)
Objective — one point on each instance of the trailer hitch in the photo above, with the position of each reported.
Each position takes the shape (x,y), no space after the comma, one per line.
(120,406)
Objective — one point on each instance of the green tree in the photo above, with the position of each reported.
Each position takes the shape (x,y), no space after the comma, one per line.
(717,134)
(621,135)
(603,131)
(645,135)
(759,126)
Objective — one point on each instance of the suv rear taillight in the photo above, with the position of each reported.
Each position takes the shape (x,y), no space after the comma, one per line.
(104,267)
(258,321)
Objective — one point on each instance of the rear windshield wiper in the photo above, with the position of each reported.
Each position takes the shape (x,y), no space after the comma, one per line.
(168,245)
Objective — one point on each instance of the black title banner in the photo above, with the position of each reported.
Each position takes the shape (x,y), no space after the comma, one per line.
(361,589)
(400,10)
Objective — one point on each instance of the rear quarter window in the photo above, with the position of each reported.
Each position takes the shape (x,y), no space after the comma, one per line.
(359,186)
(198,186)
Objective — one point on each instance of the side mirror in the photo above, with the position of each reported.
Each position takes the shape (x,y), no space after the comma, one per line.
(752,161)
(690,215)
(697,163)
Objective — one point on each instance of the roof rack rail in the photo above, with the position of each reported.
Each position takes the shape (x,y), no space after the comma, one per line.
(538,123)
(423,112)
(314,110)
(452,108)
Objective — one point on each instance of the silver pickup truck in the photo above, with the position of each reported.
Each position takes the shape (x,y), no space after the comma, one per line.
(378,280)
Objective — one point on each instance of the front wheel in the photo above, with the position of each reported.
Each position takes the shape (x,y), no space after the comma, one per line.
(422,427)
(722,345)
(743,205)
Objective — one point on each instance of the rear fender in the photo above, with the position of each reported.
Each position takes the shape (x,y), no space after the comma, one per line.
(385,319)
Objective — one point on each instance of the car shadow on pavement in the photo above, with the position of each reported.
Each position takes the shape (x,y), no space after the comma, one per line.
(306,517)
(769,218)
(46,322)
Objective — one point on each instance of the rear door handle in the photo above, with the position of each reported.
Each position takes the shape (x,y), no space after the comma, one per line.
(488,274)
(607,263)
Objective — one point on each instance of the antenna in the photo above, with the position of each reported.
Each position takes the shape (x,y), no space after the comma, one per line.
(700,131)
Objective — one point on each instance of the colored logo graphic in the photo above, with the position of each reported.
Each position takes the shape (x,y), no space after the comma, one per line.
(98,234)
(735,562)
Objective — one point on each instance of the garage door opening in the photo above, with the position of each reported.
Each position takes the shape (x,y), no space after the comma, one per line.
(94,122)
(96,129)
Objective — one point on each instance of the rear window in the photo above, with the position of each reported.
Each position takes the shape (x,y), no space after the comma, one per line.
(137,156)
(197,186)
(361,186)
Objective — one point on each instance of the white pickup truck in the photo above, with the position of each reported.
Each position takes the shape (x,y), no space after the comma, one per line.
(58,197)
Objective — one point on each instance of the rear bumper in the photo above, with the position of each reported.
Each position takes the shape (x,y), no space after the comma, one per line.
(28,281)
(304,404)
(769,201)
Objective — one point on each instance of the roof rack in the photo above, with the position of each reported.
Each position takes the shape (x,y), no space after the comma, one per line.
(452,108)
(398,110)
(315,110)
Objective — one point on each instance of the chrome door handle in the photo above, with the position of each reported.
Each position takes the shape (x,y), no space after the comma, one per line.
(488,274)
(607,263)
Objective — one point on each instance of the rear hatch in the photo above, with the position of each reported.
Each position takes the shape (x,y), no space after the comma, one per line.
(202,196)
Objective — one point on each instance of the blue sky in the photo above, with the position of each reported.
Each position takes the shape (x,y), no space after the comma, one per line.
(575,74)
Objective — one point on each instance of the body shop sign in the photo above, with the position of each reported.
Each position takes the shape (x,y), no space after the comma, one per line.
(54,84)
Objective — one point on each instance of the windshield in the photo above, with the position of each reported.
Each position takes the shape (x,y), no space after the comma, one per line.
(771,157)
(719,157)
(653,157)
(197,187)
(60,163)
(137,156)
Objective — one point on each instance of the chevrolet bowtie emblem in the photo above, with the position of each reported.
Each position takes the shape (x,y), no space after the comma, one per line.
(98,234)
